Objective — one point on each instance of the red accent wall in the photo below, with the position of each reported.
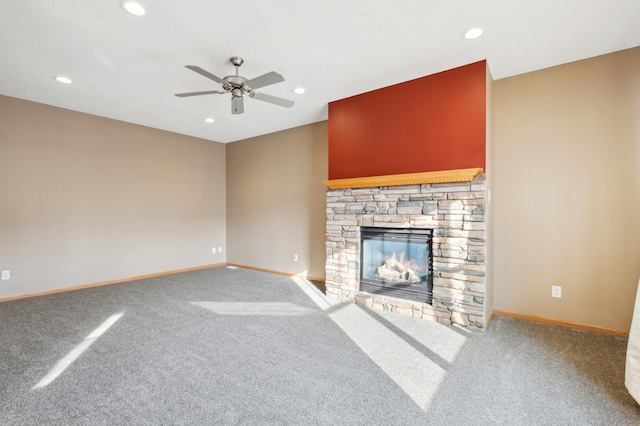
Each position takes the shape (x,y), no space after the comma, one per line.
(432,123)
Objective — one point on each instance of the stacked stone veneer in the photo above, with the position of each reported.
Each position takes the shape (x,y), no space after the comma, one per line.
(455,212)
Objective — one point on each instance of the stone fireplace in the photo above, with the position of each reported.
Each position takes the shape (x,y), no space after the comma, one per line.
(449,206)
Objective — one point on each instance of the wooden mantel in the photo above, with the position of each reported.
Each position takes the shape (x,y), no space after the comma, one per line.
(444,176)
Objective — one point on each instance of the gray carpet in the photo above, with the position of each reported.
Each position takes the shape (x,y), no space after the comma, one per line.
(234,346)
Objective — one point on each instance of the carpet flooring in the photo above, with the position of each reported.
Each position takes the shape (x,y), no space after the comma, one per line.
(232,346)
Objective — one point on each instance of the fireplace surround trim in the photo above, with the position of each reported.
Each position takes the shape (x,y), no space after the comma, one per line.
(441,176)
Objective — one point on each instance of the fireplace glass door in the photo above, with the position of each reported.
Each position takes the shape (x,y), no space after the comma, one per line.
(397,263)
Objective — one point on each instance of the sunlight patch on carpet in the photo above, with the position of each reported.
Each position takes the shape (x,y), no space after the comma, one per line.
(314,294)
(255,308)
(416,360)
(69,358)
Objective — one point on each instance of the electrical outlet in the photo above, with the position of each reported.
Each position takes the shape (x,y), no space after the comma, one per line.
(219,249)
(295,257)
(6,275)
(556,291)
(213,250)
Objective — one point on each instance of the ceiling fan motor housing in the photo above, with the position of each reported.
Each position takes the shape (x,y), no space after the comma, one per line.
(236,82)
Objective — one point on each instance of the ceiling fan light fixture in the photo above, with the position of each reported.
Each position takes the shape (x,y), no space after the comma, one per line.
(473,33)
(299,90)
(133,7)
(209,120)
(63,79)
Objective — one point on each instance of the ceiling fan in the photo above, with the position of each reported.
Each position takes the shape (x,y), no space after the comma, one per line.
(239,86)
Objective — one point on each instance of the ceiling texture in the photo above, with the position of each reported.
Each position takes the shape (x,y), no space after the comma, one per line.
(128,68)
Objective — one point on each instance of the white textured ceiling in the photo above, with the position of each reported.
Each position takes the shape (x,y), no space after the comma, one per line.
(129,68)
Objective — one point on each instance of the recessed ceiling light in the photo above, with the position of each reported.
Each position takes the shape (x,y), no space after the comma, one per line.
(209,120)
(299,90)
(132,7)
(473,33)
(63,79)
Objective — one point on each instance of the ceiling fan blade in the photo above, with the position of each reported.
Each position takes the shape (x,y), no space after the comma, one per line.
(237,105)
(205,74)
(264,80)
(208,92)
(272,99)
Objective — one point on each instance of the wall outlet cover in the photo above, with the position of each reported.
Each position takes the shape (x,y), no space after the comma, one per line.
(6,275)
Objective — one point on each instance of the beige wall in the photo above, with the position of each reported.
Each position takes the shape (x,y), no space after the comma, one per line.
(85,199)
(488,302)
(276,200)
(566,192)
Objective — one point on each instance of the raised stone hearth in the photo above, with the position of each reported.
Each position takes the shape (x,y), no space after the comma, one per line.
(456,213)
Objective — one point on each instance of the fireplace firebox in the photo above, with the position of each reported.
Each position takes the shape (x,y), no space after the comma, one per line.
(397,262)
